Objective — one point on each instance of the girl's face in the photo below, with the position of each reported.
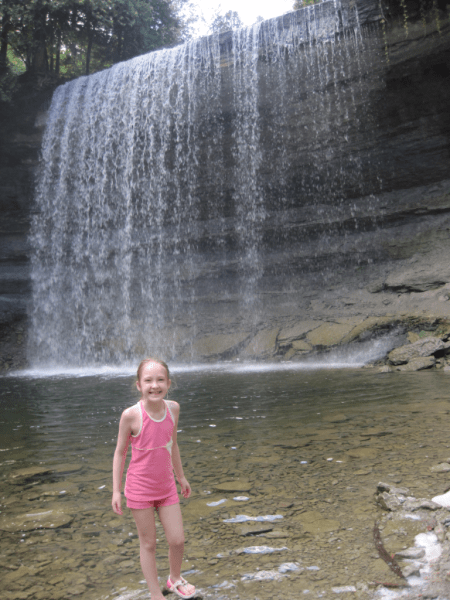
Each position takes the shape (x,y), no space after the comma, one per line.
(153,382)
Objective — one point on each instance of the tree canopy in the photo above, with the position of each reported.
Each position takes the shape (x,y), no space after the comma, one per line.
(74,37)
(225,22)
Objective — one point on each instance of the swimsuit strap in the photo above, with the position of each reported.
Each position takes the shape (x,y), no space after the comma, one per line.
(138,405)
(168,403)
(169,444)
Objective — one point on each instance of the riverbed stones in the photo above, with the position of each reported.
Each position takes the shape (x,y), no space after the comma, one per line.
(236,485)
(29,472)
(440,468)
(314,522)
(253,528)
(362,452)
(411,553)
(46,519)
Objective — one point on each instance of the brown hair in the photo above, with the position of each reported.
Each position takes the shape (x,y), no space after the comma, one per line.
(151,360)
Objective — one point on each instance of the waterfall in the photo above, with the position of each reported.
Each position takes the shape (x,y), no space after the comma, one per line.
(170,184)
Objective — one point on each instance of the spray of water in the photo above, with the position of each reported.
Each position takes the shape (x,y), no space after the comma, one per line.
(153,205)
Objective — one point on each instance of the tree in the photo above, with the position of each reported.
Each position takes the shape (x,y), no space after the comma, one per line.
(225,22)
(71,37)
(302,3)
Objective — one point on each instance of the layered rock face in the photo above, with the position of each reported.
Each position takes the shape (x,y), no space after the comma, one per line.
(337,226)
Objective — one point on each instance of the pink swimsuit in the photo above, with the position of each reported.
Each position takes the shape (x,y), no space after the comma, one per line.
(150,472)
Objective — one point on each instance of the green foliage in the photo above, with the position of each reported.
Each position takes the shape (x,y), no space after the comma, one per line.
(225,22)
(8,86)
(302,3)
(72,37)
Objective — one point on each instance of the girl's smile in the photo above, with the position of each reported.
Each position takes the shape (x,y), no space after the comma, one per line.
(153,382)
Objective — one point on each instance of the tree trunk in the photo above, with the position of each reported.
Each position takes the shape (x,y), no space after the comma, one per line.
(58,52)
(39,61)
(89,49)
(6,24)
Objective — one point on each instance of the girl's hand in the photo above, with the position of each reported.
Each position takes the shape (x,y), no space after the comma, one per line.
(185,487)
(117,502)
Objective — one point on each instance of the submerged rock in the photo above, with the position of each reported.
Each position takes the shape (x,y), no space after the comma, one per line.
(234,486)
(48,519)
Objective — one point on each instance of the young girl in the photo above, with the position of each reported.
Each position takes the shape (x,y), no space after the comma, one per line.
(151,426)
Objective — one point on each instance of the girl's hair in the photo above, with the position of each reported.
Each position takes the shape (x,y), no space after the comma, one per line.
(151,360)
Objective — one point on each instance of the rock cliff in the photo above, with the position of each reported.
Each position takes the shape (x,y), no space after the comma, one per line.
(337,267)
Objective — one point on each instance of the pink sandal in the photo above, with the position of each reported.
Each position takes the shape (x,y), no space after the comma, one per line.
(173,587)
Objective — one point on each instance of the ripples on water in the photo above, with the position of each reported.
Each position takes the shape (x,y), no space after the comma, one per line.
(306,447)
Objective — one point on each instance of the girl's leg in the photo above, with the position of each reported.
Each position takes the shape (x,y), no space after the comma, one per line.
(145,523)
(171,520)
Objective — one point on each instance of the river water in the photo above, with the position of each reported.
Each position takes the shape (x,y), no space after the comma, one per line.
(283,465)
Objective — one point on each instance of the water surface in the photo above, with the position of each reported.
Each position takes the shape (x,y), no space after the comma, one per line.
(283,466)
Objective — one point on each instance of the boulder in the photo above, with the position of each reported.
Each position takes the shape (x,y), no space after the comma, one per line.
(424,347)
(418,364)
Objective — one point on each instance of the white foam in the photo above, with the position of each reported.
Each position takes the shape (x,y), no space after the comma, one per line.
(352,357)
(433,550)
(443,499)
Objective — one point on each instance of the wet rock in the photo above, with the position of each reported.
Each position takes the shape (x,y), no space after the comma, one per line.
(293,444)
(301,346)
(363,452)
(220,345)
(234,486)
(314,522)
(411,571)
(330,334)
(277,534)
(54,489)
(263,345)
(254,529)
(418,364)
(29,473)
(411,553)
(428,277)
(49,519)
(388,501)
(336,418)
(297,331)
(388,487)
(422,348)
(390,497)
(440,468)
(414,504)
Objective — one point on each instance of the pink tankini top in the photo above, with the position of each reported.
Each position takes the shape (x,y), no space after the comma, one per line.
(150,472)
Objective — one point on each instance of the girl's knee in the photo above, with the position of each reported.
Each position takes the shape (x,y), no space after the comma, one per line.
(148,544)
(176,541)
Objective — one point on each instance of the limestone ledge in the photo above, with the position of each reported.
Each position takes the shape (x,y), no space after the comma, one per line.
(418,340)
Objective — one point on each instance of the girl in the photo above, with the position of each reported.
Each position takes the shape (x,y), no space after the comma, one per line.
(151,426)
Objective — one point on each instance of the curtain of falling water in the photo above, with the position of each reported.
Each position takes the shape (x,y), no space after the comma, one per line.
(154,189)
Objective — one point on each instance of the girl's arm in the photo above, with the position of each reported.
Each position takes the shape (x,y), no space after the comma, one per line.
(120,454)
(176,458)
